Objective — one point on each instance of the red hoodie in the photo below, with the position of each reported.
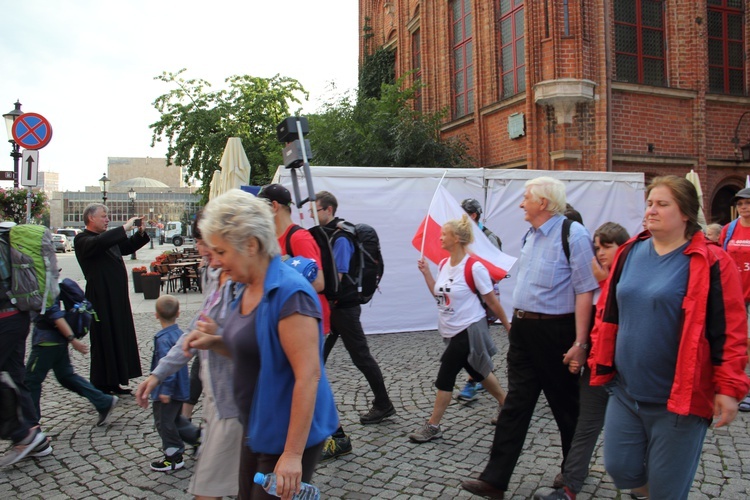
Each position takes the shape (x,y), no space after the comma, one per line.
(712,353)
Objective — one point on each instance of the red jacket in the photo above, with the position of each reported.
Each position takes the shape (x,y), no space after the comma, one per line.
(712,353)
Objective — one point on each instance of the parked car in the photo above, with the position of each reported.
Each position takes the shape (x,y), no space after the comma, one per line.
(62,243)
(69,233)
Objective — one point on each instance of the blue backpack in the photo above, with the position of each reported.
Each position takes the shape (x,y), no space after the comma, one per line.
(79,313)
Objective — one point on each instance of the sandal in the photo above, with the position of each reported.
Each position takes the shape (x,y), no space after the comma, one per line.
(745,404)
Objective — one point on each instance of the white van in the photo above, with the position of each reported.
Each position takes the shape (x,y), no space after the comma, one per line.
(69,233)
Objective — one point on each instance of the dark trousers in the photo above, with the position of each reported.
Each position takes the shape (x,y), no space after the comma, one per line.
(56,358)
(250,463)
(534,365)
(593,407)
(174,429)
(13,332)
(345,323)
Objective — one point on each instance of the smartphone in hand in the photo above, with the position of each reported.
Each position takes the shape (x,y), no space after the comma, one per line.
(137,223)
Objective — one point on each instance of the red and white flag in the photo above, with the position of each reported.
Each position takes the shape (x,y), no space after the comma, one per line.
(443,208)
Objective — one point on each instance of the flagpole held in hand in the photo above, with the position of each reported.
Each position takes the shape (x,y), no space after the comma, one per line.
(424,233)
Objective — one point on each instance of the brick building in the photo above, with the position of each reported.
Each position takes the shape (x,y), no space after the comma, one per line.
(653,86)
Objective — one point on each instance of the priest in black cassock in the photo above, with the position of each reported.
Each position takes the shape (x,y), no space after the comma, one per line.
(114,349)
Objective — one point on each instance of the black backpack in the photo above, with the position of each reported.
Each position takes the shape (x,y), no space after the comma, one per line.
(79,313)
(367,271)
(330,273)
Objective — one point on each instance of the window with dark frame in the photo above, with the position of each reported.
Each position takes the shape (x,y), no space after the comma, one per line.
(512,53)
(639,42)
(416,64)
(726,54)
(463,59)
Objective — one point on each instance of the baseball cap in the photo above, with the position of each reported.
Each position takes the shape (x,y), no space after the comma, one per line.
(741,194)
(277,193)
(471,206)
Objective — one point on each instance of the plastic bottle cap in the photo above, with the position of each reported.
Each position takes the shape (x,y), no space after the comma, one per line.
(259,478)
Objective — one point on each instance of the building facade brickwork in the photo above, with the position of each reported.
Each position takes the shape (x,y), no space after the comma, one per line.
(653,86)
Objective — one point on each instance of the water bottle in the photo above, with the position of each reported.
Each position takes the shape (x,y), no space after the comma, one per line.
(268,482)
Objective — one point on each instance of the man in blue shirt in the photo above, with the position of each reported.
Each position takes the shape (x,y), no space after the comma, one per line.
(346,310)
(551,321)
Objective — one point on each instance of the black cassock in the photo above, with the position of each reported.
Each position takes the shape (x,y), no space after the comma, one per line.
(114,348)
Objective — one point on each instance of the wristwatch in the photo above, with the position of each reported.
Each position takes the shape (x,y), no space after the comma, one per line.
(71,338)
(583,346)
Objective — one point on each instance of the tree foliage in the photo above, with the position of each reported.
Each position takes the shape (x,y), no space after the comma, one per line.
(384,131)
(196,122)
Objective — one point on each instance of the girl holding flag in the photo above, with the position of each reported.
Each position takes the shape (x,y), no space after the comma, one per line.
(461,321)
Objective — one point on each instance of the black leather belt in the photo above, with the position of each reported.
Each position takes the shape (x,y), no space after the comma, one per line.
(517,313)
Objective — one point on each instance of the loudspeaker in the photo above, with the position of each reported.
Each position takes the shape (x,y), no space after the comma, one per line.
(286,131)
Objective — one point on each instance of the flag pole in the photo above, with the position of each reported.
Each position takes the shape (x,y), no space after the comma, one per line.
(427,218)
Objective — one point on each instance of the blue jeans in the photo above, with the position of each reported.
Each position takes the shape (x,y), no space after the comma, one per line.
(646,443)
(56,358)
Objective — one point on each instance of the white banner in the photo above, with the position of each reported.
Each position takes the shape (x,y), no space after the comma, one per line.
(394,201)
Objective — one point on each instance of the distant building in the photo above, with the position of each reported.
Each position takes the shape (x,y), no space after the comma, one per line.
(652,86)
(161,195)
(49,182)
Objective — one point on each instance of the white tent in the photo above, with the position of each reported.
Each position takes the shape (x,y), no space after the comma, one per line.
(395,200)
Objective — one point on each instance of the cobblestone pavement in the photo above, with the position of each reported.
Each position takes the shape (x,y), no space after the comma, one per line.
(113,462)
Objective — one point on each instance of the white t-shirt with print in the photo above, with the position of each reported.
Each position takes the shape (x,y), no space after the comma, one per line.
(458,305)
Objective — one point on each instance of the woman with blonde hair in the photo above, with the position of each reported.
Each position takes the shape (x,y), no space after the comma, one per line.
(461,322)
(274,336)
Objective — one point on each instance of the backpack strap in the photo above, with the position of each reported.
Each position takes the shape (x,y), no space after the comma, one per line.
(469,275)
(565,235)
(288,241)
(730,232)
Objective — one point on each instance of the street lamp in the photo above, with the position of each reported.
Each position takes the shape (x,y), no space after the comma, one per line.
(103,185)
(15,152)
(745,150)
(151,218)
(132,195)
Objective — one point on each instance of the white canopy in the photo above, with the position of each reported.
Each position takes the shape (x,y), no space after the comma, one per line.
(395,200)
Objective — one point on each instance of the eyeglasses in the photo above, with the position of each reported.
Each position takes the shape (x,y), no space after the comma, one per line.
(317,210)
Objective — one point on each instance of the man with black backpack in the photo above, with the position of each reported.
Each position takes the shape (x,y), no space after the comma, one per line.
(346,309)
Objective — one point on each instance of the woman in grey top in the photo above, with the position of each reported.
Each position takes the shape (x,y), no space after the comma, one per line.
(222,432)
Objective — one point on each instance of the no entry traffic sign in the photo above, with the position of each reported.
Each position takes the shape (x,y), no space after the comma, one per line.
(32,131)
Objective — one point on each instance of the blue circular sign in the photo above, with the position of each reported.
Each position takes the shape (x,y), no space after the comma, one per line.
(32,131)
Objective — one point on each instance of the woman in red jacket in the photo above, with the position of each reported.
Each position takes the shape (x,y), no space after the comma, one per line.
(672,337)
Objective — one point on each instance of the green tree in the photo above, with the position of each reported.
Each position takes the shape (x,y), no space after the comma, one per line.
(196,122)
(383,131)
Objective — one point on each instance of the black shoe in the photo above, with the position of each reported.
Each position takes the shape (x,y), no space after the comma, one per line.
(482,489)
(377,415)
(174,462)
(336,447)
(105,414)
(121,390)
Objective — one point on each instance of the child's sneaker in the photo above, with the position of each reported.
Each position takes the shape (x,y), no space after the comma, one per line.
(174,462)
(43,449)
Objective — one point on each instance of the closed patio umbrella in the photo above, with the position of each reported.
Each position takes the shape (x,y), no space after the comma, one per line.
(235,167)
